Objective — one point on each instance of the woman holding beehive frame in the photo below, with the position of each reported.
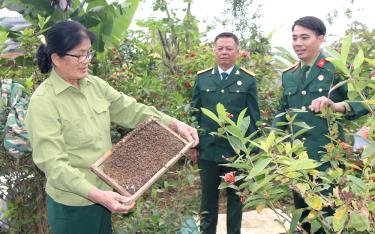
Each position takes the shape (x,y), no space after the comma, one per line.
(68,122)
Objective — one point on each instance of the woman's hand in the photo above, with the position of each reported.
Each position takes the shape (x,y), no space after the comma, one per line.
(113,201)
(187,132)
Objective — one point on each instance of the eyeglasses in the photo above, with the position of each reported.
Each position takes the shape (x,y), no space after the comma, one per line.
(82,58)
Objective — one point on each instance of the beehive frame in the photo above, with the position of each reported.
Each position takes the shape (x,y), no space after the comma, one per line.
(98,166)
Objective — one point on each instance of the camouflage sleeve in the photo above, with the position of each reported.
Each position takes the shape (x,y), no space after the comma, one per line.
(13,112)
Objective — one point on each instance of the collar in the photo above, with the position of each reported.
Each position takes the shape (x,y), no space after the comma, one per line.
(227,71)
(60,85)
(312,63)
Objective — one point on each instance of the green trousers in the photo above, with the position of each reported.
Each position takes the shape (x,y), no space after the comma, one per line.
(210,173)
(63,219)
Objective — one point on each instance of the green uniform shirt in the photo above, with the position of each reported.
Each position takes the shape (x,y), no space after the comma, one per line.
(298,93)
(69,129)
(237,92)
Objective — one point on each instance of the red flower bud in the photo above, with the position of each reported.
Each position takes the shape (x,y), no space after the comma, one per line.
(230,177)
(229,115)
(345,145)
(187,84)
(193,54)
(190,72)
(244,54)
(321,63)
(373,73)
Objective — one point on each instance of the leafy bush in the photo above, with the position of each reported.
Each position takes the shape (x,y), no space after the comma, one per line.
(283,166)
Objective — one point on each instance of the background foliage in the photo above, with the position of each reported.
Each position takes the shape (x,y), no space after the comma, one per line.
(157,66)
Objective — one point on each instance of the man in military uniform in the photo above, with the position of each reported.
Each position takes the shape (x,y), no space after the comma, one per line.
(236,89)
(306,87)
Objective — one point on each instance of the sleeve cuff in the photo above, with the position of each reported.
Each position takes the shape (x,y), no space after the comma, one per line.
(166,119)
(348,109)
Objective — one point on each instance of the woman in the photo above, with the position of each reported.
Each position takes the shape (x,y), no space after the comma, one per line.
(68,122)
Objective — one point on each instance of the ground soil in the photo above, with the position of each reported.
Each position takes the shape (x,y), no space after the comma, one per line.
(141,154)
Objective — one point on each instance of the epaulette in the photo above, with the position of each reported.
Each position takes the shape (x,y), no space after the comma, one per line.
(248,72)
(204,70)
(294,67)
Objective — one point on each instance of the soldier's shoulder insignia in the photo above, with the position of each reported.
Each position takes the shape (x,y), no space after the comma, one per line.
(248,71)
(293,67)
(203,71)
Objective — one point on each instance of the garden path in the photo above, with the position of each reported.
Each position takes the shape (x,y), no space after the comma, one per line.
(254,223)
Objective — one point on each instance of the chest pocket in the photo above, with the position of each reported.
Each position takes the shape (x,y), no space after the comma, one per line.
(294,100)
(209,96)
(236,98)
(84,130)
(101,116)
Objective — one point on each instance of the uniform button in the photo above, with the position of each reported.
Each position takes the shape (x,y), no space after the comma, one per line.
(304,138)
(290,93)
(303,108)
(237,91)
(222,91)
(207,90)
(320,90)
(303,92)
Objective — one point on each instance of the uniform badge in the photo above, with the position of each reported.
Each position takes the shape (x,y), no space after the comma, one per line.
(237,72)
(320,77)
(239,83)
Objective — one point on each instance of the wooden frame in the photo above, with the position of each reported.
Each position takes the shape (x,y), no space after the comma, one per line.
(98,165)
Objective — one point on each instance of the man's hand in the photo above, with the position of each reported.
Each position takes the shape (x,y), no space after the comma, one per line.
(320,103)
(111,200)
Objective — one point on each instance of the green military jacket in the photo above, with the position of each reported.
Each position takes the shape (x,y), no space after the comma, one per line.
(298,93)
(237,92)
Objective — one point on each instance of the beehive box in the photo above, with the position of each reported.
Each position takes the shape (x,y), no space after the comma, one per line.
(140,158)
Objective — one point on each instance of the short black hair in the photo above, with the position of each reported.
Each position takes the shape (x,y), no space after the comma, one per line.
(60,38)
(228,35)
(313,23)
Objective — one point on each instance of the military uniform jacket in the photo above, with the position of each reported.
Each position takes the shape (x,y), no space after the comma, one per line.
(298,93)
(237,92)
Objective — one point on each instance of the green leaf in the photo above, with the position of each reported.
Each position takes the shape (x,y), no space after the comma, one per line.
(340,65)
(238,165)
(339,218)
(241,117)
(368,151)
(359,221)
(244,125)
(236,144)
(300,132)
(210,114)
(221,112)
(296,216)
(302,164)
(314,201)
(358,60)
(315,226)
(269,141)
(235,131)
(345,47)
(371,206)
(341,83)
(333,53)
(259,166)
(358,183)
(302,125)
